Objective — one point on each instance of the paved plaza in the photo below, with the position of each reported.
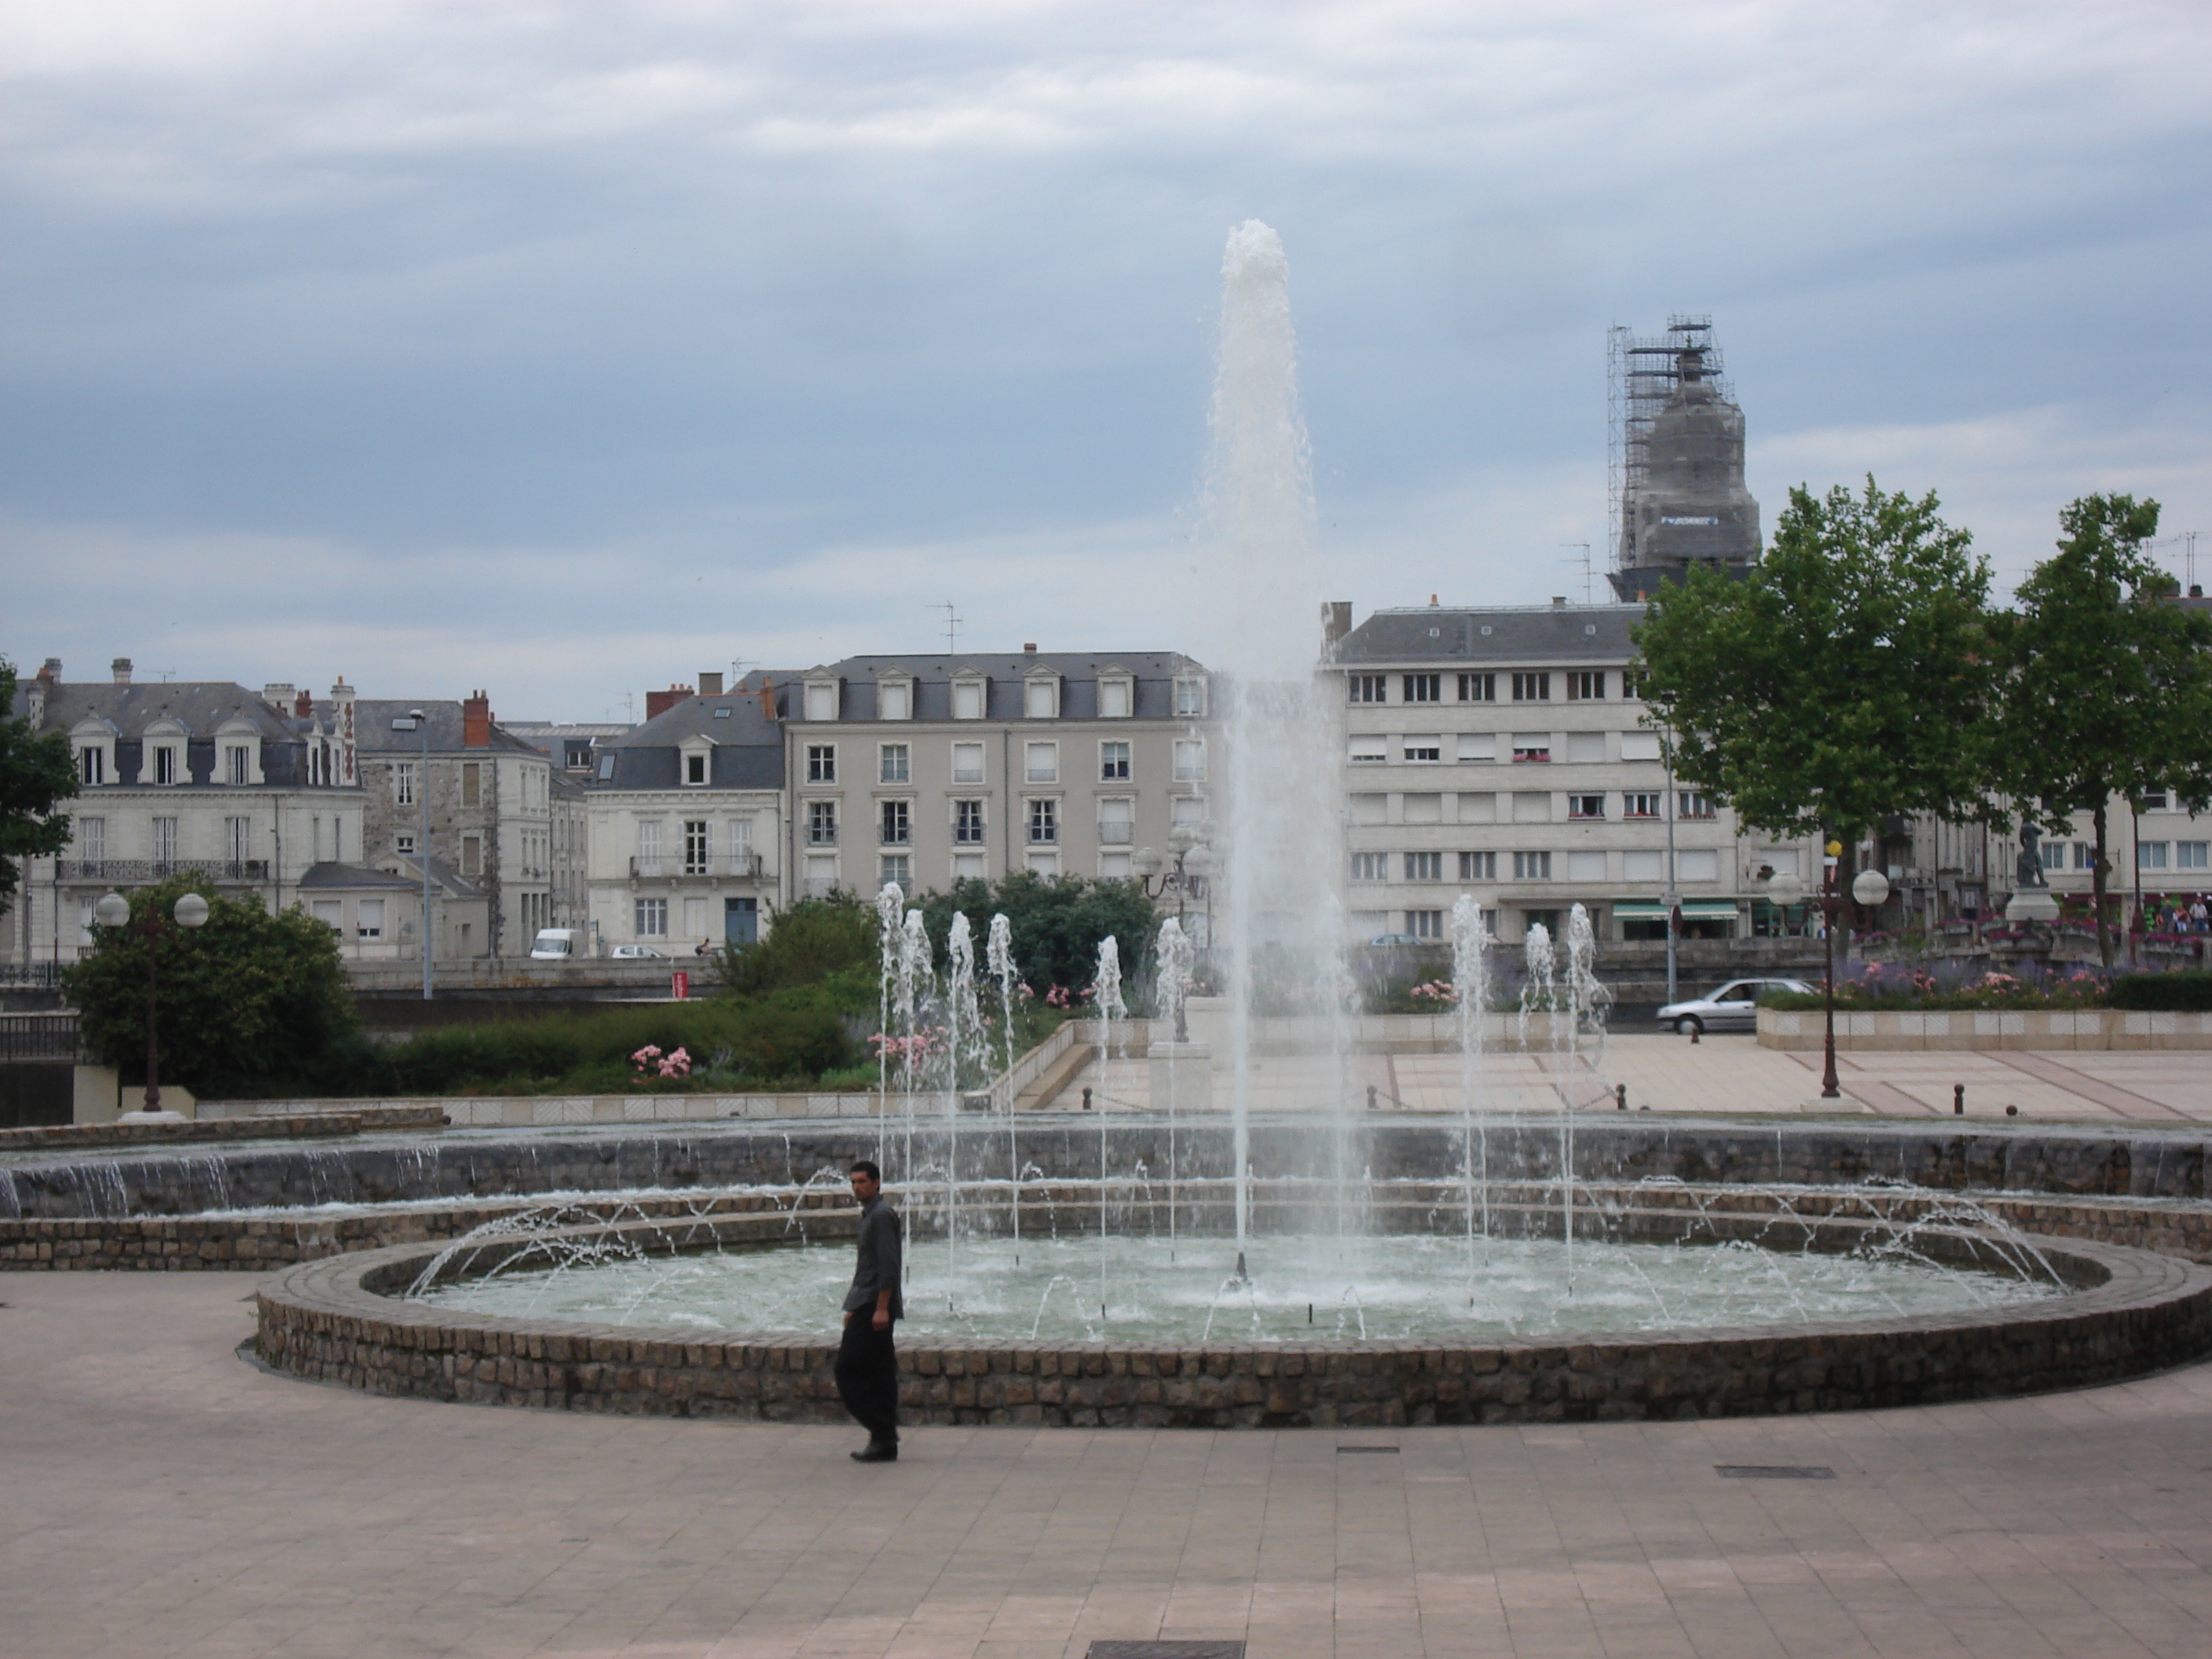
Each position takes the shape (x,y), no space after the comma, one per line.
(1728,1074)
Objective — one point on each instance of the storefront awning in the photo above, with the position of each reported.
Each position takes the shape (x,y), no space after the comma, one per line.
(1692,910)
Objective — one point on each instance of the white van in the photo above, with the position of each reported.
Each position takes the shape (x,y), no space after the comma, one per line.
(559,944)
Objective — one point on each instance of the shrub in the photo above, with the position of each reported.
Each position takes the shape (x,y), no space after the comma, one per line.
(814,939)
(2184,992)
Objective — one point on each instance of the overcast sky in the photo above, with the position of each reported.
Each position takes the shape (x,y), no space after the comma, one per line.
(569,349)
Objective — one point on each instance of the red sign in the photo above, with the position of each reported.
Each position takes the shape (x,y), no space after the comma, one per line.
(680,984)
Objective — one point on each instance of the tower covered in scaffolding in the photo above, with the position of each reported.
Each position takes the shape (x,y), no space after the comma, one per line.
(1675,460)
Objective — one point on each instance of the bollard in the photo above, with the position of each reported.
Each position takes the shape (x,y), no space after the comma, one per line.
(1694,1029)
(1620,1096)
(1087,1097)
(1371,1096)
(1958,1100)
(2012,1111)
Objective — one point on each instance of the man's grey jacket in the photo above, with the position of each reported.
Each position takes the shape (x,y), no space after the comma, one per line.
(878,1268)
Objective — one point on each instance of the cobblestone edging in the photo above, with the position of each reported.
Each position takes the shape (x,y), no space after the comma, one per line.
(303,1124)
(2059,1030)
(2136,1312)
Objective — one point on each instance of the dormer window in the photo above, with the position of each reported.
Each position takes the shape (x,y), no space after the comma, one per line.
(1118,696)
(821,700)
(895,699)
(1041,697)
(968,697)
(238,755)
(93,742)
(163,756)
(1190,698)
(92,764)
(696,760)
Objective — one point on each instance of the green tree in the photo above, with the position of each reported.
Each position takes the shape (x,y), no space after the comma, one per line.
(35,776)
(1843,679)
(245,999)
(2108,684)
(812,940)
(1054,924)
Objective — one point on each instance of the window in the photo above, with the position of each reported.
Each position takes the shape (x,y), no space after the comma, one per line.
(891,764)
(648,848)
(237,840)
(1532,688)
(606,768)
(1189,760)
(1639,745)
(1041,762)
(1477,866)
(652,916)
(1114,700)
(1640,806)
(1424,752)
(1041,698)
(966,700)
(1478,688)
(2053,854)
(894,701)
(1370,867)
(368,918)
(1116,866)
(1044,821)
(1585,867)
(1586,806)
(403,844)
(472,856)
(1368,751)
(1631,685)
(1370,688)
(1189,811)
(1586,686)
(1532,745)
(1045,866)
(576,754)
(1692,803)
(1585,747)
(1646,864)
(695,770)
(1697,864)
(2154,800)
(2189,854)
(165,764)
(1477,806)
(967,763)
(821,763)
(1532,866)
(165,843)
(895,867)
(329,912)
(821,700)
(822,824)
(967,823)
(1477,746)
(2150,855)
(697,847)
(92,839)
(2084,855)
(238,762)
(1426,924)
(969,867)
(1423,688)
(1190,699)
(1113,761)
(1425,866)
(897,824)
(1532,806)
(471,784)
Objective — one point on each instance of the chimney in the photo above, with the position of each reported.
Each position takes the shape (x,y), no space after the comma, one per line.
(304,706)
(1432,601)
(1559,599)
(768,698)
(710,685)
(1029,647)
(278,694)
(476,721)
(121,669)
(52,670)
(348,751)
(657,703)
(1335,621)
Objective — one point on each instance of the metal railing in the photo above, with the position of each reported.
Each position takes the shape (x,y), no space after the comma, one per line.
(738,866)
(39,975)
(39,1036)
(116,870)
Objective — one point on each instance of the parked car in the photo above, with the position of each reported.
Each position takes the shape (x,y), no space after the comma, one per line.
(1394,940)
(559,944)
(1733,1007)
(632,952)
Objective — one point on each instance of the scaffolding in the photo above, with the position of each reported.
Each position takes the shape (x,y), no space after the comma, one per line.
(1641,374)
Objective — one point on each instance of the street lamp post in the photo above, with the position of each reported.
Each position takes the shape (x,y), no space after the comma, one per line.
(190,912)
(415,720)
(1186,872)
(1870,888)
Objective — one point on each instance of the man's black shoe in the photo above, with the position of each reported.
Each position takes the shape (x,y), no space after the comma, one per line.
(878,1453)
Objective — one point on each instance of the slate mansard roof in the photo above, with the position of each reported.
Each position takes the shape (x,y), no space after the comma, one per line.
(202,708)
(1154,672)
(1534,634)
(748,752)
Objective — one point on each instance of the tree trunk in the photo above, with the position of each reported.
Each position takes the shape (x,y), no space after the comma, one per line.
(2097,887)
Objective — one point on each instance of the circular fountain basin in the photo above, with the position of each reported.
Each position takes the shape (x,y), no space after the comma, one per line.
(2115,1312)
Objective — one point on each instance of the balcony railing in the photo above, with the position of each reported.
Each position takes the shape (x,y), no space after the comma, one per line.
(121,870)
(729,866)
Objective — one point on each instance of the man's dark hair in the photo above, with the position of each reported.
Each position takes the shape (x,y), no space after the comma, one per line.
(863,1167)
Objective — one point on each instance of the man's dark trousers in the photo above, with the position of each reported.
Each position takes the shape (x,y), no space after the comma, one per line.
(868,1376)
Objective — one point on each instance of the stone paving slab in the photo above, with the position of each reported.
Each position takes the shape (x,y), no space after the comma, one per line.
(158,1496)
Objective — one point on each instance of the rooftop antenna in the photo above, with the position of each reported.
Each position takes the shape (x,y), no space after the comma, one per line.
(737,672)
(951,628)
(1585,562)
(169,674)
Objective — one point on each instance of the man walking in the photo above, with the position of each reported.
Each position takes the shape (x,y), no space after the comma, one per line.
(867,1364)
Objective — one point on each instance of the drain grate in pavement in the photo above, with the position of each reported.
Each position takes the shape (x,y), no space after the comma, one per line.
(1347,1451)
(1166,1650)
(1773,1471)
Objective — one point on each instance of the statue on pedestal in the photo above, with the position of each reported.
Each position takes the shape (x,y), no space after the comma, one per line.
(2030,872)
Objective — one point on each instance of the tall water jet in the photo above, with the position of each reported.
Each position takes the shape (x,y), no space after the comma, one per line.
(999,960)
(891,902)
(1282,930)
(962,1044)
(1106,1001)
(1175,956)
(1471,942)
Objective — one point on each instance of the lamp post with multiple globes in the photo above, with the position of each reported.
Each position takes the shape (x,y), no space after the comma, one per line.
(1869,888)
(1187,871)
(190,913)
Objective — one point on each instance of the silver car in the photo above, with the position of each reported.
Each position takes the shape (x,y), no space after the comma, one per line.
(1733,1007)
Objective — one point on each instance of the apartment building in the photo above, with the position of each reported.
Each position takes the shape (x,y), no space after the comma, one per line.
(686,814)
(251,790)
(930,769)
(1503,753)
